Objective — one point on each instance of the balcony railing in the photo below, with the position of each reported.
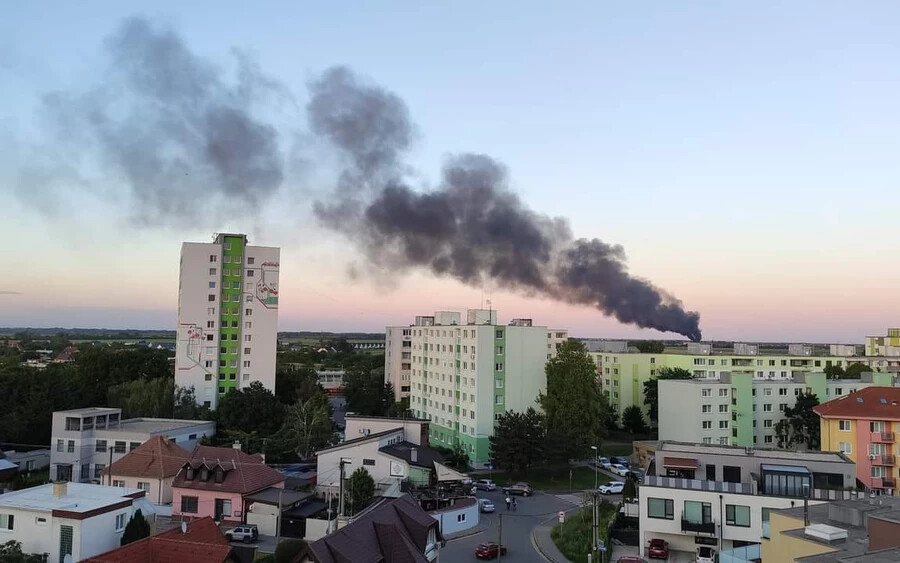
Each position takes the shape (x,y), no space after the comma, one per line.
(882,459)
(882,437)
(700,485)
(698,527)
(882,483)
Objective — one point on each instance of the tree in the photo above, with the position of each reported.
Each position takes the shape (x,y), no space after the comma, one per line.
(296,384)
(290,550)
(137,528)
(360,489)
(629,491)
(307,425)
(518,441)
(612,419)
(834,371)
(854,370)
(649,346)
(367,393)
(456,457)
(249,410)
(633,420)
(651,389)
(574,406)
(11,552)
(800,425)
(185,405)
(153,398)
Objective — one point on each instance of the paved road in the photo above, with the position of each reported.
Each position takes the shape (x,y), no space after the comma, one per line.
(517,526)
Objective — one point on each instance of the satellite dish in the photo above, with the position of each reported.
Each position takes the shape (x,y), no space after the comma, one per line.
(184,527)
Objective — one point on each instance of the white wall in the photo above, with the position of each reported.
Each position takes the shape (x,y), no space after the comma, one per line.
(160,491)
(412,429)
(328,463)
(457,519)
(526,357)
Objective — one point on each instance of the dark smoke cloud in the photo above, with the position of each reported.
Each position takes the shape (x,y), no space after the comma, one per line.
(472,228)
(168,125)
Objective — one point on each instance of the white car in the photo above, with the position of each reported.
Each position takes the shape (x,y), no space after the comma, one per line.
(485,485)
(603,462)
(706,554)
(611,488)
(619,469)
(486,505)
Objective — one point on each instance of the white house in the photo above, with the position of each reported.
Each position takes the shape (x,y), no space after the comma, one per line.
(62,518)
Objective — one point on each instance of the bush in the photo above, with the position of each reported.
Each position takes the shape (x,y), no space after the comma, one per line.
(290,550)
(573,538)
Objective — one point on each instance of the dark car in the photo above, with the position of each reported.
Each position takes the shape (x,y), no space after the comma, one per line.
(659,549)
(523,489)
(489,550)
(621,460)
(637,475)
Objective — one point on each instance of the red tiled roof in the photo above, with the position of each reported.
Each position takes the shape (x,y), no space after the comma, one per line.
(680,462)
(203,543)
(67,354)
(880,403)
(157,458)
(244,473)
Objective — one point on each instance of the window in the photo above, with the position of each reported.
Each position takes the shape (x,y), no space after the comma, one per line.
(498,367)
(120,522)
(845,447)
(707,425)
(767,407)
(782,392)
(212,271)
(707,440)
(120,447)
(723,425)
(737,515)
(250,260)
(6,521)
(65,541)
(133,445)
(844,425)
(211,297)
(767,423)
(498,399)
(248,312)
(767,391)
(117,483)
(249,273)
(368,461)
(723,392)
(211,311)
(70,447)
(85,471)
(706,392)
(767,439)
(144,486)
(60,445)
(98,469)
(247,337)
(189,505)
(663,508)
(213,258)
(248,325)
(878,471)
(707,408)
(246,350)
(697,512)
(723,408)
(246,363)
(212,285)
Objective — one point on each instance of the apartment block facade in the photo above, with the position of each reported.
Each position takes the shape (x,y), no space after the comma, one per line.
(743,410)
(398,359)
(887,347)
(227,316)
(864,426)
(465,374)
(622,374)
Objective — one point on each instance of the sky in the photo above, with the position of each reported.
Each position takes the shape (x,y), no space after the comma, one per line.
(743,155)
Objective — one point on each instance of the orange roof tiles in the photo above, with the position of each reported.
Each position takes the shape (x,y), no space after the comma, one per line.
(876,403)
(157,458)
(203,543)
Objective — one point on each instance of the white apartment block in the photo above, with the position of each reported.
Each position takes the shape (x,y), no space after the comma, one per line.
(741,410)
(85,441)
(721,496)
(227,316)
(76,519)
(465,374)
(398,359)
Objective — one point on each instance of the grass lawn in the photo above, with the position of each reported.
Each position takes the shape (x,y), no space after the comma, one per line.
(555,478)
(616,449)
(573,538)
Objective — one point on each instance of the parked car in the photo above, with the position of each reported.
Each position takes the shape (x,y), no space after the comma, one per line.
(706,554)
(619,469)
(611,488)
(485,485)
(247,533)
(489,550)
(621,460)
(523,489)
(659,549)
(603,462)
(637,475)
(486,505)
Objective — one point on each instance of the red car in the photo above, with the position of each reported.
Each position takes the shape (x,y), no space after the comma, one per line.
(659,549)
(489,550)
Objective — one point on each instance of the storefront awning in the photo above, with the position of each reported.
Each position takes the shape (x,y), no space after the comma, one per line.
(679,463)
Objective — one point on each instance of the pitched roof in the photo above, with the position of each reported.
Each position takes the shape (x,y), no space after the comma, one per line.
(157,458)
(425,457)
(242,473)
(395,530)
(203,543)
(882,403)
(361,439)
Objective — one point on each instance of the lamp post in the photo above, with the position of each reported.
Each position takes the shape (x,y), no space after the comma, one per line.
(596,453)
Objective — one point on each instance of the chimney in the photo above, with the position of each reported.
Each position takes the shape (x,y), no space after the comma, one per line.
(60,488)
(236,445)
(414,455)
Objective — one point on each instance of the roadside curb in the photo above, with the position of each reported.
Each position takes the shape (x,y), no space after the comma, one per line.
(546,523)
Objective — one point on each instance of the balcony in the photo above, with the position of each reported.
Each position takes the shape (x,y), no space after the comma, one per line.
(698,527)
(882,437)
(882,459)
(882,482)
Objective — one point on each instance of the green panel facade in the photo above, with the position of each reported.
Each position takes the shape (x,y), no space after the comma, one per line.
(230,303)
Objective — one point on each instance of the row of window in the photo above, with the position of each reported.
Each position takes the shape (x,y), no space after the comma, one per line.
(236,259)
(698,512)
(73,423)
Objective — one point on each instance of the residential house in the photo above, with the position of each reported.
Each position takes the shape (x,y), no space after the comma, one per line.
(76,519)
(67,355)
(415,429)
(295,507)
(721,496)
(854,531)
(864,425)
(395,529)
(151,467)
(33,460)
(215,481)
(201,541)
(85,441)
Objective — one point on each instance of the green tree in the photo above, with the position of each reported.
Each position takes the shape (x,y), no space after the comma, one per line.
(633,420)
(144,397)
(457,457)
(307,425)
(800,425)
(649,346)
(185,405)
(629,491)
(834,371)
(11,552)
(574,406)
(296,384)
(137,528)
(367,393)
(290,550)
(651,389)
(360,490)
(518,441)
(854,370)
(249,410)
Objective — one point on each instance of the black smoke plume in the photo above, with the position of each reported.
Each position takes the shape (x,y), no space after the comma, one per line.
(472,227)
(170,126)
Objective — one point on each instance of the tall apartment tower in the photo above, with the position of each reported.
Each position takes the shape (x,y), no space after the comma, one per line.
(227,316)
(398,359)
(465,372)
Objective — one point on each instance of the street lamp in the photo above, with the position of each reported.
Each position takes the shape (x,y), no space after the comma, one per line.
(596,453)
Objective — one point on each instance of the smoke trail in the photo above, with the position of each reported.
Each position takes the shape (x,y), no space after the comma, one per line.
(471,228)
(167,124)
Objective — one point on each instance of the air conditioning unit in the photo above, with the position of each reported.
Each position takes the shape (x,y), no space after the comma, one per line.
(873,457)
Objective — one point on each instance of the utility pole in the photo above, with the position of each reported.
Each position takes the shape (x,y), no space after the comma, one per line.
(344,461)
(278,522)
(594,536)
(500,541)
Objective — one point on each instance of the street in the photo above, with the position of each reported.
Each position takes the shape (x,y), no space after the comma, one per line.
(517,525)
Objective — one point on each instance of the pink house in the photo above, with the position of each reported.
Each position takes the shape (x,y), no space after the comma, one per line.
(214,481)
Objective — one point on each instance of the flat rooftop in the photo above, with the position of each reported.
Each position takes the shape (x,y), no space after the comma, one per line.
(151,425)
(762,453)
(90,411)
(79,497)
